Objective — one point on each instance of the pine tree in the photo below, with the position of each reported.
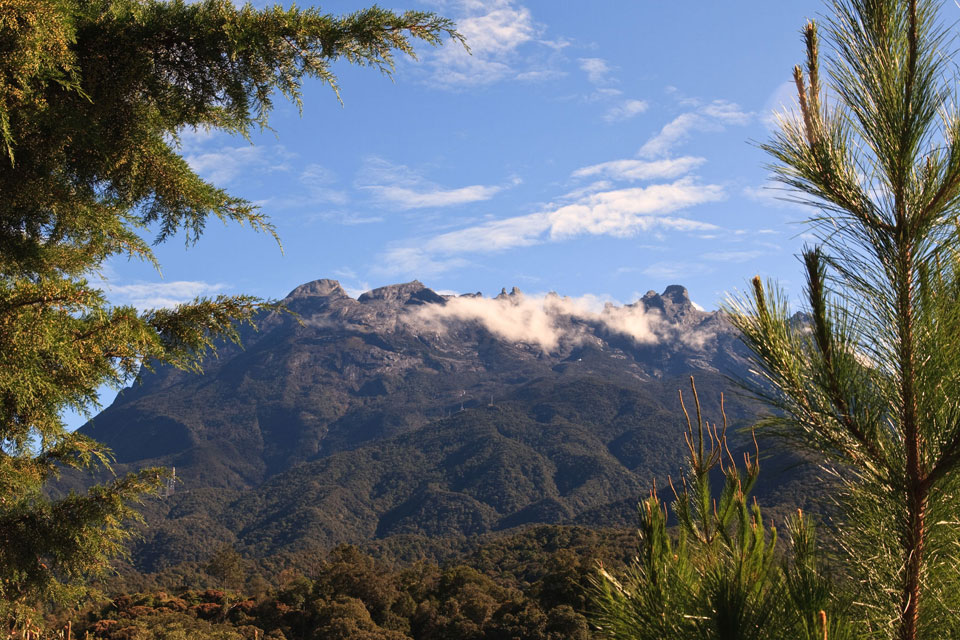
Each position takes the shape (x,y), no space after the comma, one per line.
(722,574)
(870,386)
(93,94)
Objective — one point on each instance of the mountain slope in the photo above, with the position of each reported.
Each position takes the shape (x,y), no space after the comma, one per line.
(407,412)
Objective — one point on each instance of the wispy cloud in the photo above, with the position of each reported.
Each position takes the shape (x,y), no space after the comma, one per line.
(714,116)
(734,256)
(625,110)
(540,75)
(222,165)
(600,94)
(415,261)
(437,197)
(617,212)
(214,159)
(155,295)
(347,217)
(319,182)
(399,186)
(630,169)
(597,70)
(774,194)
(675,271)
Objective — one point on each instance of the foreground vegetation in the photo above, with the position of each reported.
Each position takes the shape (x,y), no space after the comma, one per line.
(870,386)
(93,94)
(531,585)
(723,572)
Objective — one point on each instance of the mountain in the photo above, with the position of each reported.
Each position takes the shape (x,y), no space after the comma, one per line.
(404,412)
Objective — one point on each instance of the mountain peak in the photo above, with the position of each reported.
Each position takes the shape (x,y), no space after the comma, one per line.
(323,287)
(673,302)
(414,292)
(392,292)
(677,294)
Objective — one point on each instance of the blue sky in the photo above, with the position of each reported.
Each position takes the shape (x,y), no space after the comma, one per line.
(602,148)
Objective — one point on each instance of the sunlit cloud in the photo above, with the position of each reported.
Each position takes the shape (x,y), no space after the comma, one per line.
(617,213)
(631,169)
(712,117)
(550,321)
(414,261)
(597,70)
(156,295)
(495,31)
(733,256)
(319,182)
(411,199)
(400,187)
(675,272)
(625,110)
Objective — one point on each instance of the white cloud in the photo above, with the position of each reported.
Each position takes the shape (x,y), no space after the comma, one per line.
(210,155)
(414,261)
(674,271)
(601,93)
(346,218)
(619,213)
(597,70)
(494,31)
(774,194)
(540,75)
(155,295)
(497,235)
(319,182)
(726,112)
(593,187)
(549,321)
(675,131)
(630,169)
(222,165)
(399,186)
(192,138)
(733,256)
(410,199)
(624,212)
(711,117)
(625,110)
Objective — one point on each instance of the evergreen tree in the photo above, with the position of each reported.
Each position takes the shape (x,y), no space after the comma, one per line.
(870,385)
(722,575)
(93,94)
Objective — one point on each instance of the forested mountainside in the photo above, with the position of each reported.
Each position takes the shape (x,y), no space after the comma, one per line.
(404,412)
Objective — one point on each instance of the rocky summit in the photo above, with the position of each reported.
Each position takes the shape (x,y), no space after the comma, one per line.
(409,412)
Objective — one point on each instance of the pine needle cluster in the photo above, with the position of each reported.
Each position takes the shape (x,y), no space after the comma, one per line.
(722,573)
(870,386)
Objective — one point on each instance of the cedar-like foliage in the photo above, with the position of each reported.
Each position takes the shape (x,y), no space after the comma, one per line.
(93,94)
(870,386)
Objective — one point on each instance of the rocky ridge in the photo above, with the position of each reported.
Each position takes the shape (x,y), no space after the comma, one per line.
(408,412)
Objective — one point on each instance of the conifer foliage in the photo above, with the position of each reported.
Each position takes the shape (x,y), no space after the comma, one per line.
(93,94)
(870,385)
(722,574)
